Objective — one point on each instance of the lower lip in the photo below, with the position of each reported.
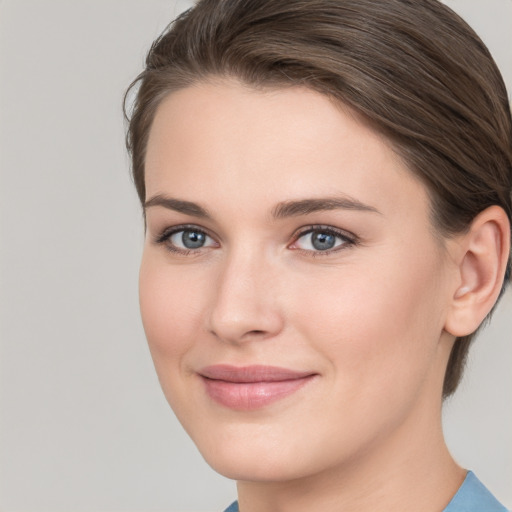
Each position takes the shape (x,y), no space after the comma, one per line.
(248,396)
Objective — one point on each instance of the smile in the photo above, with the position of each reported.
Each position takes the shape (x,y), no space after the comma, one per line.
(251,387)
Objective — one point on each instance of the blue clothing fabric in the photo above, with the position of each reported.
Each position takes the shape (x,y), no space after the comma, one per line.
(233,507)
(472,496)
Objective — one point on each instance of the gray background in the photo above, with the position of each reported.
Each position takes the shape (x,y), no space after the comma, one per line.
(84,425)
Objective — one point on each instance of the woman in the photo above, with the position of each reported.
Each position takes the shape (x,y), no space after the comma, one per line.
(327,195)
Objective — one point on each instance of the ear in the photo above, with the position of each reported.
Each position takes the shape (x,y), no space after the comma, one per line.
(482,258)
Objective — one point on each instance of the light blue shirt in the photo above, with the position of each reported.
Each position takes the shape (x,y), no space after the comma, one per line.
(472,496)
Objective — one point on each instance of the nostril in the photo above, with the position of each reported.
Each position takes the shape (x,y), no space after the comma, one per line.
(255,334)
(237,319)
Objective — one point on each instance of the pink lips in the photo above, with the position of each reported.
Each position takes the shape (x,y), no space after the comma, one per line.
(251,387)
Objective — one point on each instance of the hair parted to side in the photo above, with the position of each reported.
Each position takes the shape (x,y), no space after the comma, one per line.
(413,68)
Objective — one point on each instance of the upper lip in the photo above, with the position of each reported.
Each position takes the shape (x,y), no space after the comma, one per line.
(253,373)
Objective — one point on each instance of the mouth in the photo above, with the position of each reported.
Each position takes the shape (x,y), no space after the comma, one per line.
(251,387)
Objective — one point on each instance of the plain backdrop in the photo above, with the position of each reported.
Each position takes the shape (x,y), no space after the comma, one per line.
(84,425)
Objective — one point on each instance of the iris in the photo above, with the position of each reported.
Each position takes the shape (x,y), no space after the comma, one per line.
(193,239)
(322,241)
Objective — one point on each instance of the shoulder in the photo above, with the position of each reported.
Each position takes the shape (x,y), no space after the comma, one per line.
(473,496)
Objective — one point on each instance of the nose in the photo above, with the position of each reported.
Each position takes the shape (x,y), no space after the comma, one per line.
(245,304)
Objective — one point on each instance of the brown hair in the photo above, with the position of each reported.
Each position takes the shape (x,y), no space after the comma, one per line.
(413,68)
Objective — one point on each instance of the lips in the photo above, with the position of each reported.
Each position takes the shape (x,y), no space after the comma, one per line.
(251,387)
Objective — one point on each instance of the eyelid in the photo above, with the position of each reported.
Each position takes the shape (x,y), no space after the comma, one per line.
(349,239)
(164,236)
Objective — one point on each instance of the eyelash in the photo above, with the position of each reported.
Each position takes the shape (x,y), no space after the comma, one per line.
(167,233)
(348,239)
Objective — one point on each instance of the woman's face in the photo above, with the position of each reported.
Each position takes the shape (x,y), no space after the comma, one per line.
(292,290)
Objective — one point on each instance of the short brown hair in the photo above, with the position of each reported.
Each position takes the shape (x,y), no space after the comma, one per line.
(413,68)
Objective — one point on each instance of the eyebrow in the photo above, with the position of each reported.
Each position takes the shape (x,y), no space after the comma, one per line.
(178,205)
(282,210)
(307,206)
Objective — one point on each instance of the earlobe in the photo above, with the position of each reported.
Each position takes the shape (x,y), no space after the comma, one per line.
(485,249)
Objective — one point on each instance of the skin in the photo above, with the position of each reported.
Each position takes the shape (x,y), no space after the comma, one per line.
(368,318)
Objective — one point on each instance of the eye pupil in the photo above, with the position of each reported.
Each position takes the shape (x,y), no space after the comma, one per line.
(193,239)
(323,241)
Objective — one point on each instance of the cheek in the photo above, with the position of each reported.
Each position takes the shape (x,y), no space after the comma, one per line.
(170,310)
(378,324)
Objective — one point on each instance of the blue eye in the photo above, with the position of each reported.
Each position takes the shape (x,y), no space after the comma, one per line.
(321,240)
(186,239)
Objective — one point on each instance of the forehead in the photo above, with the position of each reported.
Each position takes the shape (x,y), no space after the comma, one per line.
(226,142)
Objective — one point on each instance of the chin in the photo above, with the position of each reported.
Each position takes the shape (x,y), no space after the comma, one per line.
(265,453)
(257,467)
